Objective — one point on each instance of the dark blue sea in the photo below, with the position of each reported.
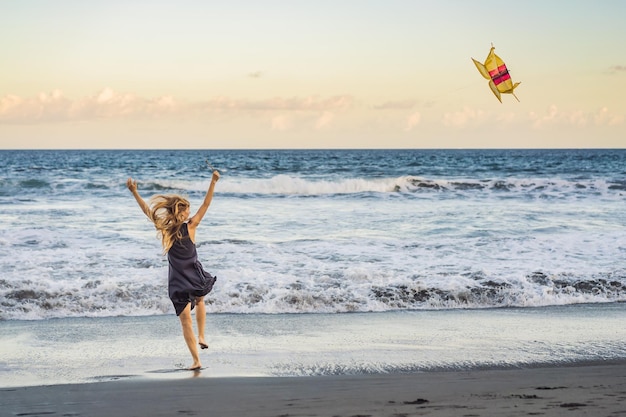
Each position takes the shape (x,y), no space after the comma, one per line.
(428,249)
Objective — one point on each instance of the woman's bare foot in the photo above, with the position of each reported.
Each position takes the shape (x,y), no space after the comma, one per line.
(203,344)
(195,367)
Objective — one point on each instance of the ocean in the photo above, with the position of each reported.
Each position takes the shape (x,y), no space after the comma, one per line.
(318,243)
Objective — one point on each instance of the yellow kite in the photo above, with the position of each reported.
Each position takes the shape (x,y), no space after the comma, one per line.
(495,71)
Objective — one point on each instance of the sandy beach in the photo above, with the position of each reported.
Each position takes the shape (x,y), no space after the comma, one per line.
(584,390)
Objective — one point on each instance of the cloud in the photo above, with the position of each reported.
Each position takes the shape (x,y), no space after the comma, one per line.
(574,118)
(395,105)
(617,68)
(105,95)
(412,121)
(292,120)
(553,116)
(305,104)
(508,118)
(255,74)
(465,117)
(605,118)
(281,123)
(54,107)
(324,120)
(46,106)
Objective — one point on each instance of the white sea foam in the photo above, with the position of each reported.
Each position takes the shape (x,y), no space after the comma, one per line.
(312,276)
(289,185)
(390,257)
(298,185)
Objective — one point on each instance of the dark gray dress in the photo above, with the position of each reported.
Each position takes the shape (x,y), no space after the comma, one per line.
(187,279)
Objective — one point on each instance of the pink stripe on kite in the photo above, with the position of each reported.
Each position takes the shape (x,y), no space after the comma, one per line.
(500,75)
(502,78)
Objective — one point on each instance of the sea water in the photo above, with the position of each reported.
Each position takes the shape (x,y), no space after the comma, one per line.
(305,236)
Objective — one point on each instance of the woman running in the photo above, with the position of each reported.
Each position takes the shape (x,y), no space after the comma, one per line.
(188,282)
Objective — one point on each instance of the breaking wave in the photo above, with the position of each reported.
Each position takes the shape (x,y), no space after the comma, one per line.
(285,185)
(100,298)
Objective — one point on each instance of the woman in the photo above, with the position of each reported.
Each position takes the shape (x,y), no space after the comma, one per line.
(188,282)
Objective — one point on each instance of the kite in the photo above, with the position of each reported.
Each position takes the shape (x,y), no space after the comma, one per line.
(498,75)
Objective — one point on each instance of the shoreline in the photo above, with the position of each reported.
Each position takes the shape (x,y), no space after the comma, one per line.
(91,350)
(572,389)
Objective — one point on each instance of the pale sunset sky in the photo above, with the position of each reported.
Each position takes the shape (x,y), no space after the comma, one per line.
(230,74)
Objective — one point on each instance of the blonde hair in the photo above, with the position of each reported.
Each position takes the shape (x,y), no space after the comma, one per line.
(168,214)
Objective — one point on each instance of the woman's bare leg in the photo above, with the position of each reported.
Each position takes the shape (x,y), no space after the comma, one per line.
(187,324)
(201,319)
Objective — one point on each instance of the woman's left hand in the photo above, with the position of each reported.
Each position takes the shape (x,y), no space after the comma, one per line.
(132,185)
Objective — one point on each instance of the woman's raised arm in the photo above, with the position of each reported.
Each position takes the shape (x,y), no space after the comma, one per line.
(195,220)
(132,186)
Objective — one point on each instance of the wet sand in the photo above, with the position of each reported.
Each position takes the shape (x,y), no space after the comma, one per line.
(585,390)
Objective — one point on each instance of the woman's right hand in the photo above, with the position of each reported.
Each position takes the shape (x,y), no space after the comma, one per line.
(216,176)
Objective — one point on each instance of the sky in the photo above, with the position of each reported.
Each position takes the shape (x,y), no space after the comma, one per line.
(273,74)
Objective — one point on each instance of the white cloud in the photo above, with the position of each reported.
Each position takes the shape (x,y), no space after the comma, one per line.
(105,95)
(324,120)
(574,118)
(605,118)
(395,105)
(280,123)
(305,104)
(553,116)
(108,104)
(509,117)
(465,117)
(44,107)
(412,121)
(55,107)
